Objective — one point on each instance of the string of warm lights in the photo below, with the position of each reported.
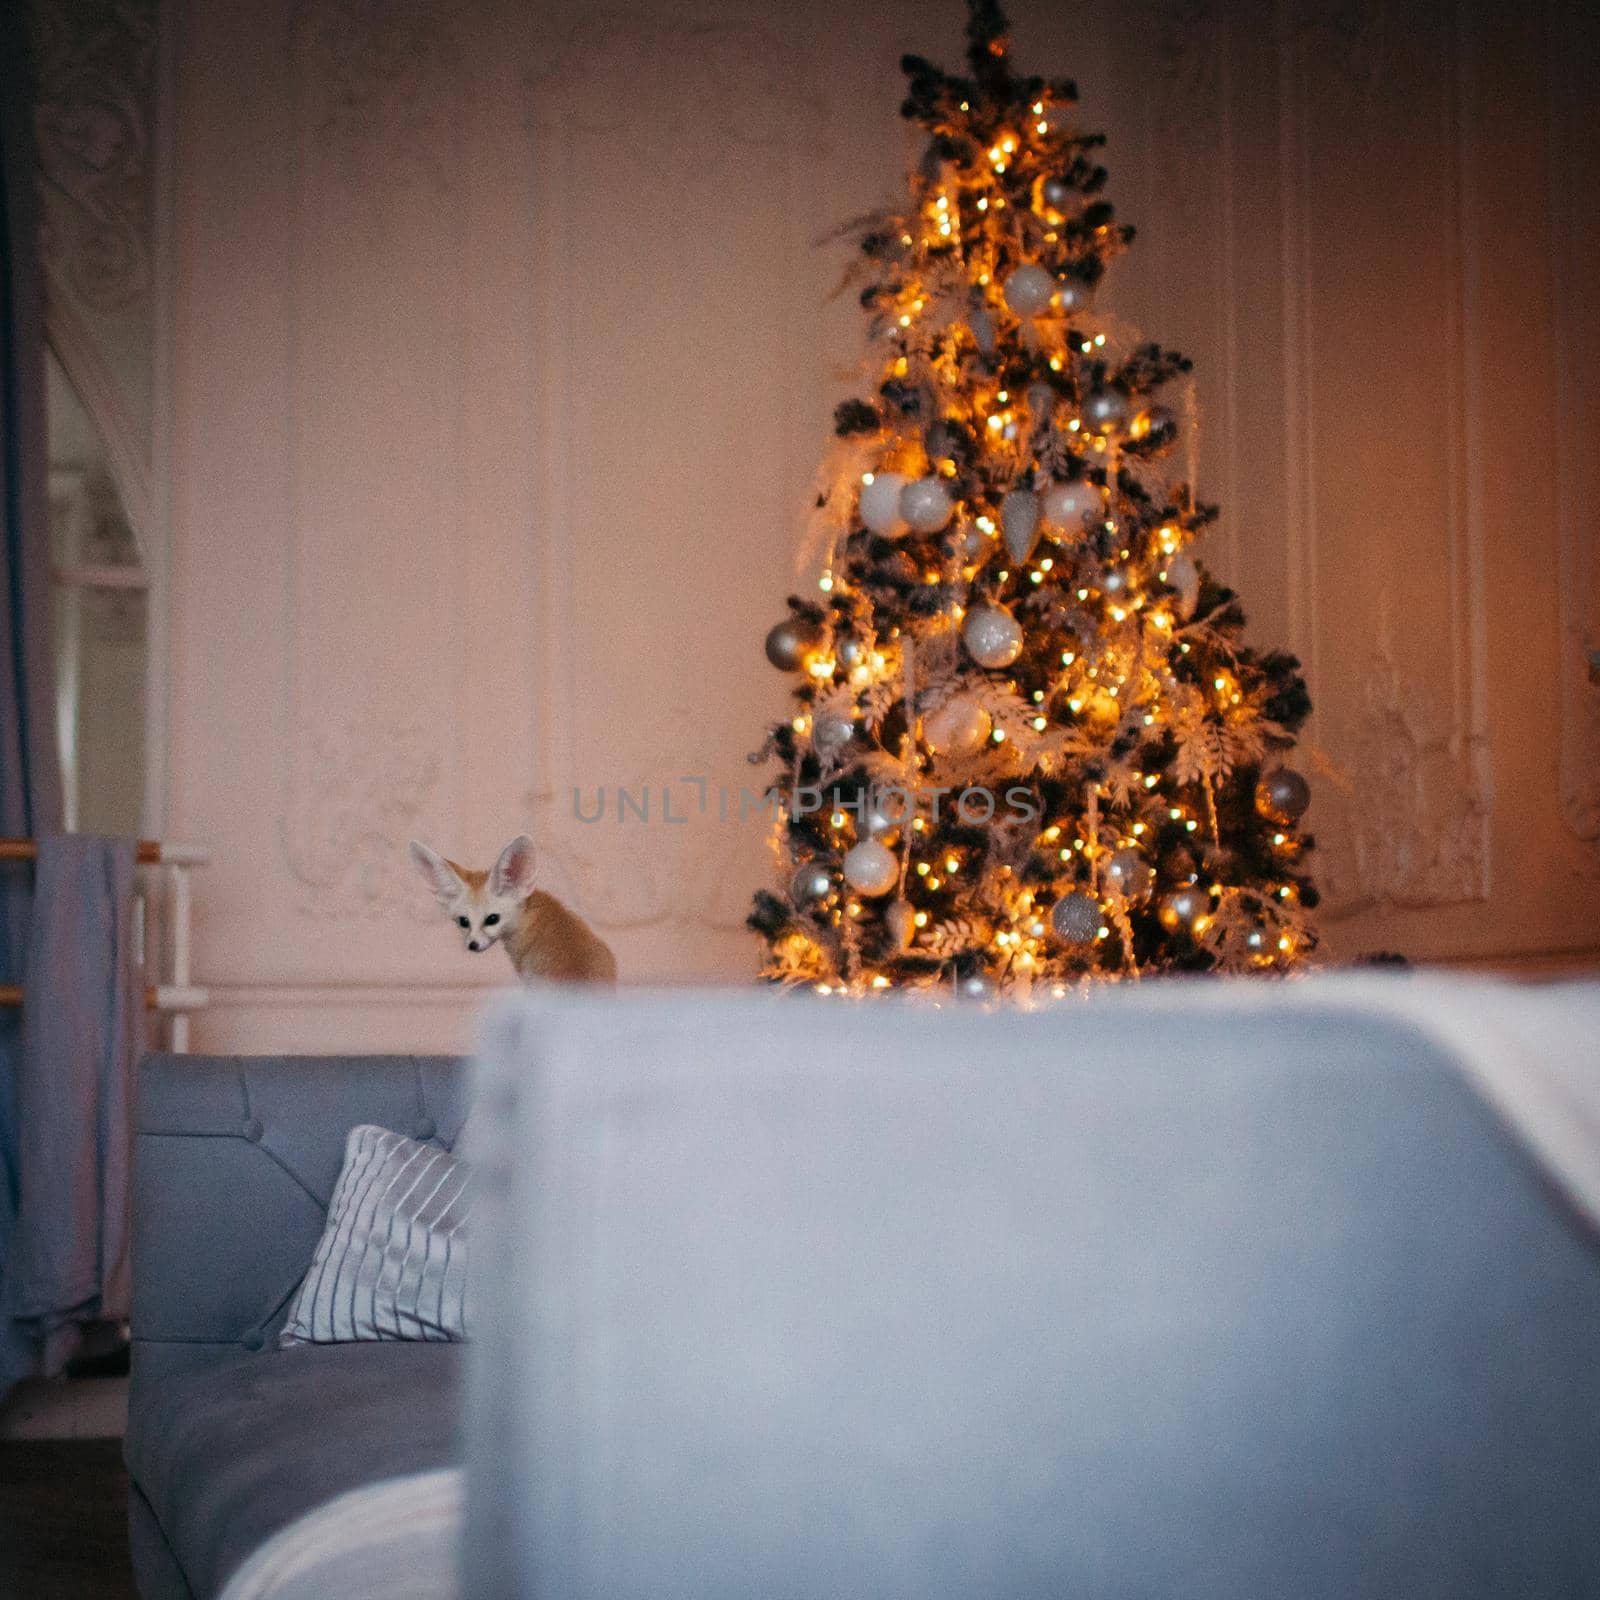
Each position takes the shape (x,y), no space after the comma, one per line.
(1010,638)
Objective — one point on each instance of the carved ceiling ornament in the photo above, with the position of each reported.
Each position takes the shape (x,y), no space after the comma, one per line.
(378,81)
(95,96)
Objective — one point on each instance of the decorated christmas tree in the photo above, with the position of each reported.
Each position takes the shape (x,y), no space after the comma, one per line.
(1028,746)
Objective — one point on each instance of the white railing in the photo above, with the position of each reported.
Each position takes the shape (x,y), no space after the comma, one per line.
(179,997)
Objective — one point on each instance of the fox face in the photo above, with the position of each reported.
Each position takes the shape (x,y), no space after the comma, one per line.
(485,906)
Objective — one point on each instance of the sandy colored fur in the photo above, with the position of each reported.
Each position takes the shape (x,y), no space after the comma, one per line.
(551,942)
(471,876)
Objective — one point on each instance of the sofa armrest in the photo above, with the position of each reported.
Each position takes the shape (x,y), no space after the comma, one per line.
(235,1160)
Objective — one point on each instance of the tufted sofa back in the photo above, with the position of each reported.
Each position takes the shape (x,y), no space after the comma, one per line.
(235,1159)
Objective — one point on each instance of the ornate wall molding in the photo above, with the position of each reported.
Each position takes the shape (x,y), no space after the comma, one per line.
(611,63)
(377,78)
(363,790)
(372,261)
(95,68)
(1415,834)
(702,103)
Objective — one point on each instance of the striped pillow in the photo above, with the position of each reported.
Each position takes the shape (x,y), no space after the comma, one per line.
(392,1260)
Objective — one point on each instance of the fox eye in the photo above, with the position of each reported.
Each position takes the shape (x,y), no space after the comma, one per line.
(463,922)
(490,920)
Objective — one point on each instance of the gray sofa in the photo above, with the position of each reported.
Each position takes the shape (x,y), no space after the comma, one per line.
(1180,1296)
(230,1439)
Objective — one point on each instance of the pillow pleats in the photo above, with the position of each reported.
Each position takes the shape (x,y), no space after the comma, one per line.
(392,1260)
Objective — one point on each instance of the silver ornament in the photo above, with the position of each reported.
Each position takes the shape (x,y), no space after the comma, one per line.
(790,642)
(1130,875)
(1019,523)
(1069,505)
(1183,908)
(1057,193)
(880,503)
(1030,289)
(957,728)
(977,986)
(848,651)
(1105,410)
(981,321)
(993,636)
(870,868)
(1075,918)
(901,922)
(971,542)
(811,881)
(883,813)
(1074,296)
(1115,583)
(830,733)
(1282,796)
(1183,576)
(926,505)
(1154,423)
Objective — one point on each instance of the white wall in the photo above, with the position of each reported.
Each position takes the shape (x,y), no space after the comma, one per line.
(502,358)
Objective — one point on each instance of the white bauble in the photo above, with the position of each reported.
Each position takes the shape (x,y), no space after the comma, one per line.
(1130,875)
(1105,410)
(870,868)
(1184,577)
(883,812)
(1019,523)
(926,505)
(1074,295)
(830,733)
(993,636)
(958,728)
(901,921)
(971,542)
(1075,918)
(1069,505)
(1029,290)
(811,881)
(880,504)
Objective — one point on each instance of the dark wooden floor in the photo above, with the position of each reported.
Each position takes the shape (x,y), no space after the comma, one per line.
(63,1521)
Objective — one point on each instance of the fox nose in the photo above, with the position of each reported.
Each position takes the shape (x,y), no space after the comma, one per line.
(473,944)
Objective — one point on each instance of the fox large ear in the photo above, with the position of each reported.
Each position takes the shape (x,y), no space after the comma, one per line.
(437,873)
(513,872)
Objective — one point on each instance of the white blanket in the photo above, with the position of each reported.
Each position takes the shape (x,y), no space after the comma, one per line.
(395,1540)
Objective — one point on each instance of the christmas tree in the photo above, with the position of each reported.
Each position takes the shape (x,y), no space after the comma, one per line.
(1028,746)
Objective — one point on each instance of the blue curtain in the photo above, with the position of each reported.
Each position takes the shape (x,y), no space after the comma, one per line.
(30,776)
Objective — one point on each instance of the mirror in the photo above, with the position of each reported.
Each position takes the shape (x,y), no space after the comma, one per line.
(101,611)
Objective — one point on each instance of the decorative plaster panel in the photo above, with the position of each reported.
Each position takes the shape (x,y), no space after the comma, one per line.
(377,78)
(95,67)
(675,276)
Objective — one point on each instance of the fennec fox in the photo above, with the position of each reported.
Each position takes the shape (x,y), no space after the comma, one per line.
(543,938)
